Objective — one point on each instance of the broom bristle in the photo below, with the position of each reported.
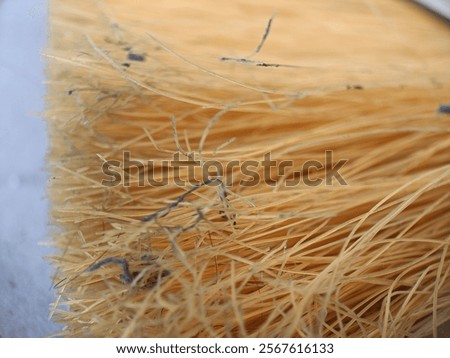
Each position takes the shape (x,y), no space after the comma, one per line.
(145,97)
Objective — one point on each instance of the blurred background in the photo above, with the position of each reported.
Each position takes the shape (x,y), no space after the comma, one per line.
(25,277)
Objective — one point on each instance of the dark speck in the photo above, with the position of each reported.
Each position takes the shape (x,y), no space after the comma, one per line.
(136,57)
(444,108)
(69,92)
(355,87)
(126,64)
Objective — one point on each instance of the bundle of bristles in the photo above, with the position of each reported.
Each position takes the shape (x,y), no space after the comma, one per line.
(363,254)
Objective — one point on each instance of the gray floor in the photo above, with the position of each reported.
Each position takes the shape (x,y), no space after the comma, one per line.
(25,277)
(442,7)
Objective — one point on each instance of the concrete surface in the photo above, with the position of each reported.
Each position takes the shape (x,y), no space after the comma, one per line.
(442,7)
(25,283)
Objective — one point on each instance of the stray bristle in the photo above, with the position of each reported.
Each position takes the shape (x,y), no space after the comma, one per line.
(191,190)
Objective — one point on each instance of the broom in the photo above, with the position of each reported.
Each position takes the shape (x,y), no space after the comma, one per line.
(250,169)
